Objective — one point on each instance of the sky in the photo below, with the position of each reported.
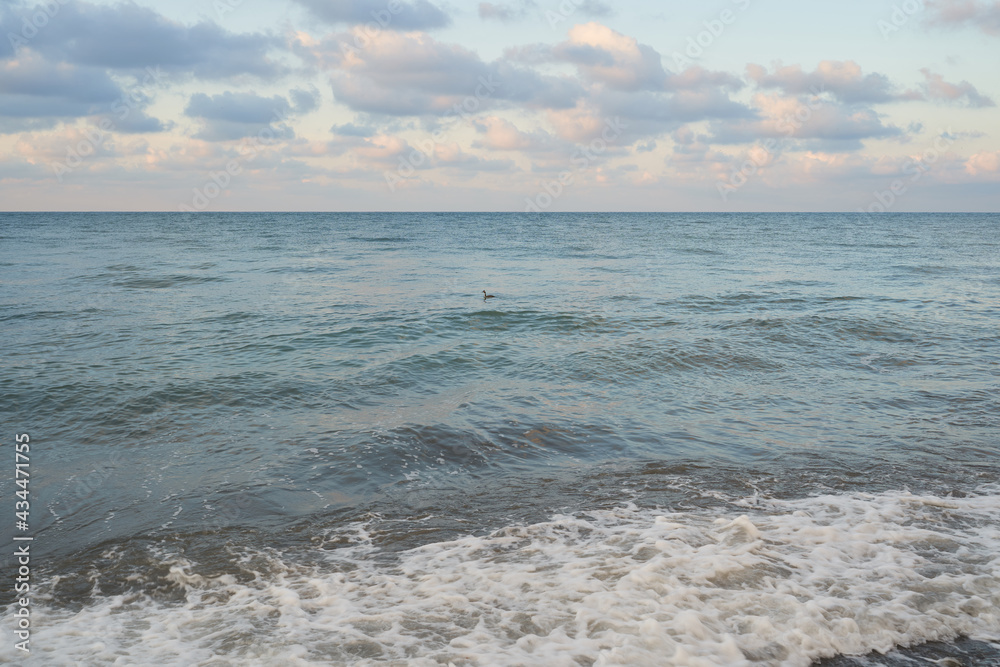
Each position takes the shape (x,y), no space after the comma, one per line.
(511,105)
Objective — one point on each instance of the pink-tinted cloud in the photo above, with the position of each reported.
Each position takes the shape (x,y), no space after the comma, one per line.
(86,142)
(938,89)
(986,163)
(609,57)
(961,13)
(500,134)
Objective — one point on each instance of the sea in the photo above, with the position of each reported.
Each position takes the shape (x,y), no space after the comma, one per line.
(670,439)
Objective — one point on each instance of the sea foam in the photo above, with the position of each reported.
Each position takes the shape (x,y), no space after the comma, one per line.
(765,582)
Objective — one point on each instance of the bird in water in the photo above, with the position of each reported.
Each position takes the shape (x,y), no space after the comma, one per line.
(487,296)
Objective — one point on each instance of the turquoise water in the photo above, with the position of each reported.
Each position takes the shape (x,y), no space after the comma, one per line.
(258,438)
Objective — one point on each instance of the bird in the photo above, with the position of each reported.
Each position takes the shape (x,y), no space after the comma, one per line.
(487,296)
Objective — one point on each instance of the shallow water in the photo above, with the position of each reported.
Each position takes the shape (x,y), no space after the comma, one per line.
(672,439)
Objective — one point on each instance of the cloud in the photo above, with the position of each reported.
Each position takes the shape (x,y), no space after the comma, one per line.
(693,149)
(129,37)
(128,113)
(13,124)
(392,15)
(54,146)
(65,70)
(410,61)
(15,170)
(842,79)
(387,152)
(846,82)
(352,130)
(510,11)
(362,93)
(40,92)
(136,121)
(578,125)
(608,56)
(224,130)
(451,155)
(963,136)
(384,149)
(984,163)
(698,78)
(502,135)
(412,74)
(625,79)
(961,13)
(839,126)
(230,116)
(536,105)
(649,114)
(304,101)
(35,77)
(594,8)
(237,107)
(605,56)
(10,32)
(938,89)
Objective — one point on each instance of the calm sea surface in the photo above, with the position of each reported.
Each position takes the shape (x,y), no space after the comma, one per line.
(686,439)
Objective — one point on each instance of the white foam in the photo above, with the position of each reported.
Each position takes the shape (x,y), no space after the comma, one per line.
(777,583)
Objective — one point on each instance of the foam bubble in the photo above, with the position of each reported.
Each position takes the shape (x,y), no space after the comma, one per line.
(776,582)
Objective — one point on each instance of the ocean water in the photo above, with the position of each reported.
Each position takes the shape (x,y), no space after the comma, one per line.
(685,439)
